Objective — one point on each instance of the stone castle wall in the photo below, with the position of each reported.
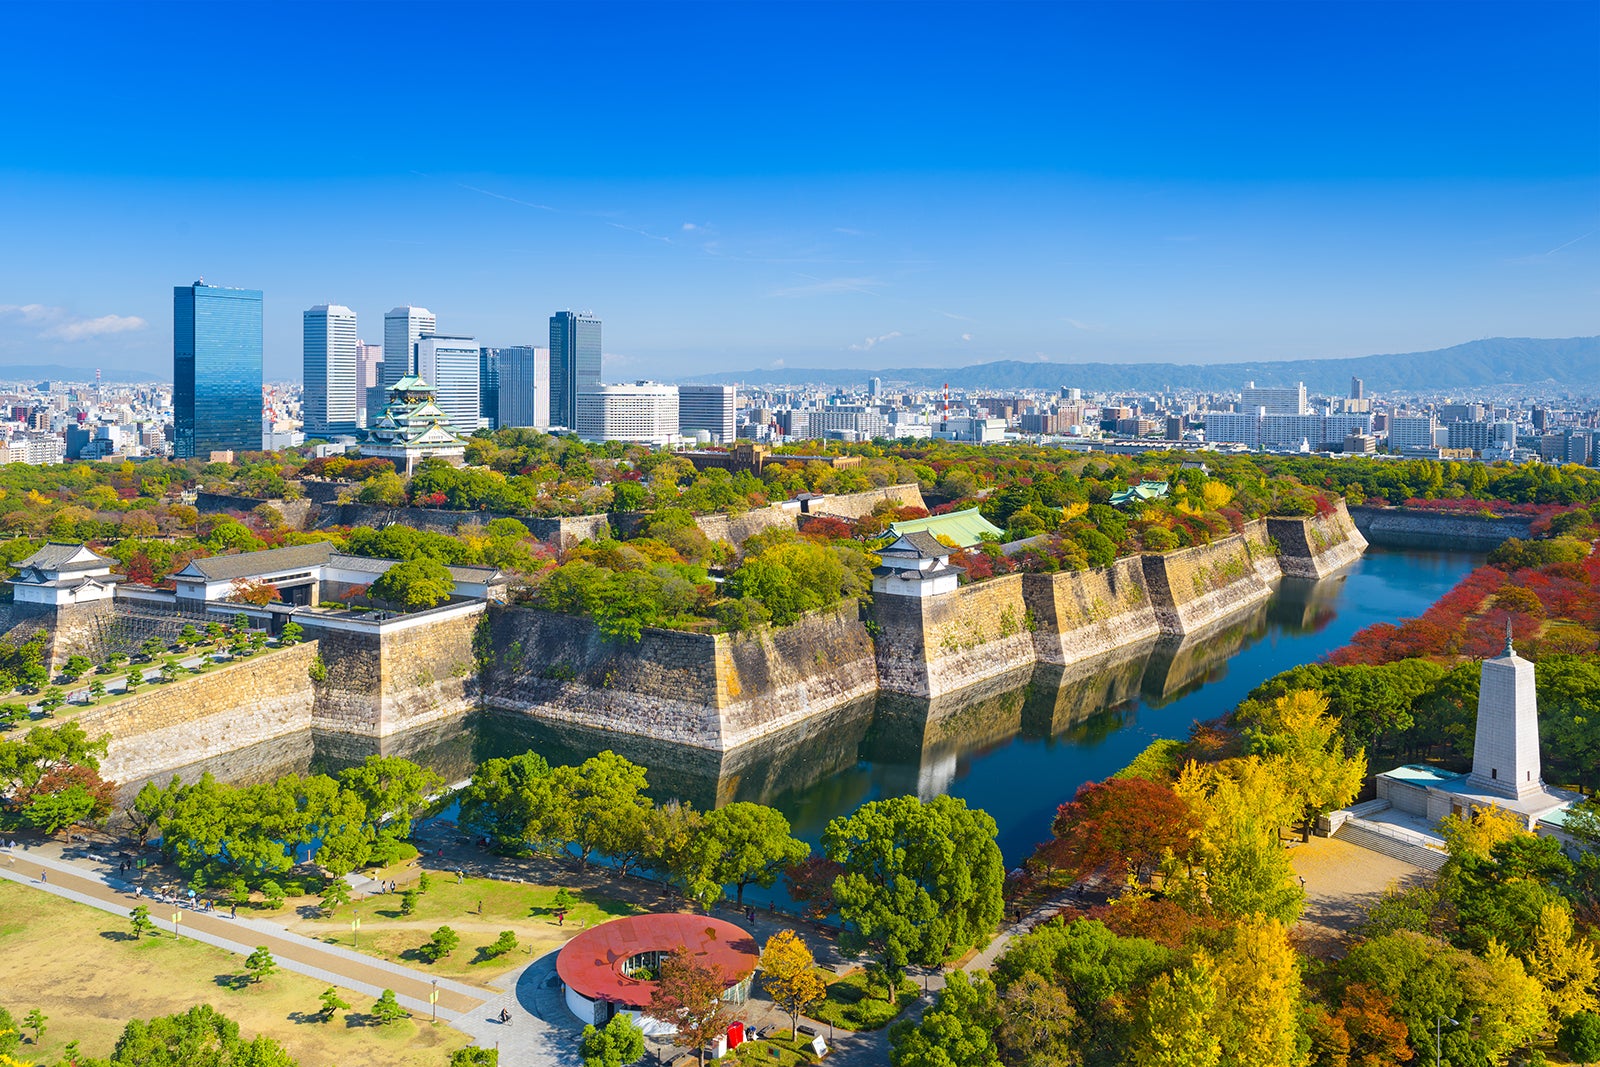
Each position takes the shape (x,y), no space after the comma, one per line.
(1076,616)
(928,646)
(1318,546)
(1194,588)
(1418,528)
(199,717)
(381,683)
(856,505)
(711,691)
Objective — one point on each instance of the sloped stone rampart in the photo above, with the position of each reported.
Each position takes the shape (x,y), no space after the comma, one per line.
(929,646)
(1197,587)
(1317,546)
(172,724)
(711,691)
(855,505)
(1078,615)
(1418,528)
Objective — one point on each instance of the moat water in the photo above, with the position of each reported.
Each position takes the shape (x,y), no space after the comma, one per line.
(1016,747)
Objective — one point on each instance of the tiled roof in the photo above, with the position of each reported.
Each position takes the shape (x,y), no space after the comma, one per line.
(250,564)
(921,545)
(57,554)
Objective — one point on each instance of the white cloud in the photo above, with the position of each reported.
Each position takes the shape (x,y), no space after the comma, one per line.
(966,337)
(828,286)
(61,326)
(82,329)
(878,340)
(689,226)
(1078,324)
(32,312)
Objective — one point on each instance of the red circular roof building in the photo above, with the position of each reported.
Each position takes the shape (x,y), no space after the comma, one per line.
(612,967)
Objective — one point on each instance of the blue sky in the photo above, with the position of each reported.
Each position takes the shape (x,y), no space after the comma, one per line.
(733,186)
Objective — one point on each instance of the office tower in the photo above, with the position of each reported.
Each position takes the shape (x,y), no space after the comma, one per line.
(874,387)
(329,359)
(642,413)
(216,370)
(369,361)
(574,363)
(450,365)
(1358,389)
(489,386)
(402,328)
(1285,401)
(710,408)
(525,387)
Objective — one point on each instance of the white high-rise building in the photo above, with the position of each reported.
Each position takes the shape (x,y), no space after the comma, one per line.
(1285,401)
(450,365)
(402,329)
(332,400)
(642,413)
(710,408)
(1411,431)
(369,365)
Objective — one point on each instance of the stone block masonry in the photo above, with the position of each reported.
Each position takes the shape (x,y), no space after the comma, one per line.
(1078,615)
(1418,528)
(928,646)
(405,673)
(711,691)
(169,725)
(1195,588)
(1318,546)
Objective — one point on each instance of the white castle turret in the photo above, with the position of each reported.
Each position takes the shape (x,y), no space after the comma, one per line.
(1505,756)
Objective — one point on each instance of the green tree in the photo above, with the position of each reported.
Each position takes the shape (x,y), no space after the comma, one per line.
(475,1056)
(76,667)
(387,1009)
(749,843)
(921,882)
(408,901)
(506,942)
(260,964)
(35,1020)
(292,634)
(332,1004)
(335,896)
(140,919)
(415,584)
(620,1042)
(607,794)
(957,1031)
(516,804)
(1580,1037)
(444,942)
(1039,1024)
(394,791)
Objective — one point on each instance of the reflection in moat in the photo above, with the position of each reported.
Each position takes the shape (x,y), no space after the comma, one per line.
(1016,746)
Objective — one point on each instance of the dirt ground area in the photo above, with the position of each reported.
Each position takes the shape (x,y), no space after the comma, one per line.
(1341,882)
(83,969)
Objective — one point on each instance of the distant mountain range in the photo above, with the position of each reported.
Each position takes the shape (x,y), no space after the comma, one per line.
(1521,361)
(39,372)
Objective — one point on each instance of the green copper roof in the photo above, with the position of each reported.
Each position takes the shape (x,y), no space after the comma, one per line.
(1142,491)
(965,528)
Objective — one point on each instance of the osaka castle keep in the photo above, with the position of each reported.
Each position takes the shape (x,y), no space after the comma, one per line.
(1505,774)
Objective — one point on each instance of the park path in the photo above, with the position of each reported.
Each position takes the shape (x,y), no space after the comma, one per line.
(94,881)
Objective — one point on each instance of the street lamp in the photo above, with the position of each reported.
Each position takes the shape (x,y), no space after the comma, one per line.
(1438,1027)
(433,998)
(355,931)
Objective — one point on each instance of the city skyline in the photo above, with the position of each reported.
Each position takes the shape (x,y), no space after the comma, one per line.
(1123,183)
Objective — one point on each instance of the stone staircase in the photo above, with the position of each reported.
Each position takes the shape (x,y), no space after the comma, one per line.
(1385,840)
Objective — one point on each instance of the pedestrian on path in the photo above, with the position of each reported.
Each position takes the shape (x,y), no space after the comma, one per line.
(44,876)
(233,911)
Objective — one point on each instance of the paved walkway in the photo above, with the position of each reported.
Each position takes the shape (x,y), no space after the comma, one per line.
(541,1032)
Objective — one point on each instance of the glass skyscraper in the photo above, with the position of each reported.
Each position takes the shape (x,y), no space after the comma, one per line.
(489,385)
(574,363)
(332,400)
(216,370)
(402,328)
(450,365)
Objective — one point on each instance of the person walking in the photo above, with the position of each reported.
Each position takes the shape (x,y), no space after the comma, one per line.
(44,876)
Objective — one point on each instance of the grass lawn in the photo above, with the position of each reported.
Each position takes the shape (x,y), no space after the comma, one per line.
(526,910)
(80,967)
(789,1052)
(852,1006)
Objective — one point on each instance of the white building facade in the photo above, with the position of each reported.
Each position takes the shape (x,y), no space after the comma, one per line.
(332,380)
(643,413)
(711,408)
